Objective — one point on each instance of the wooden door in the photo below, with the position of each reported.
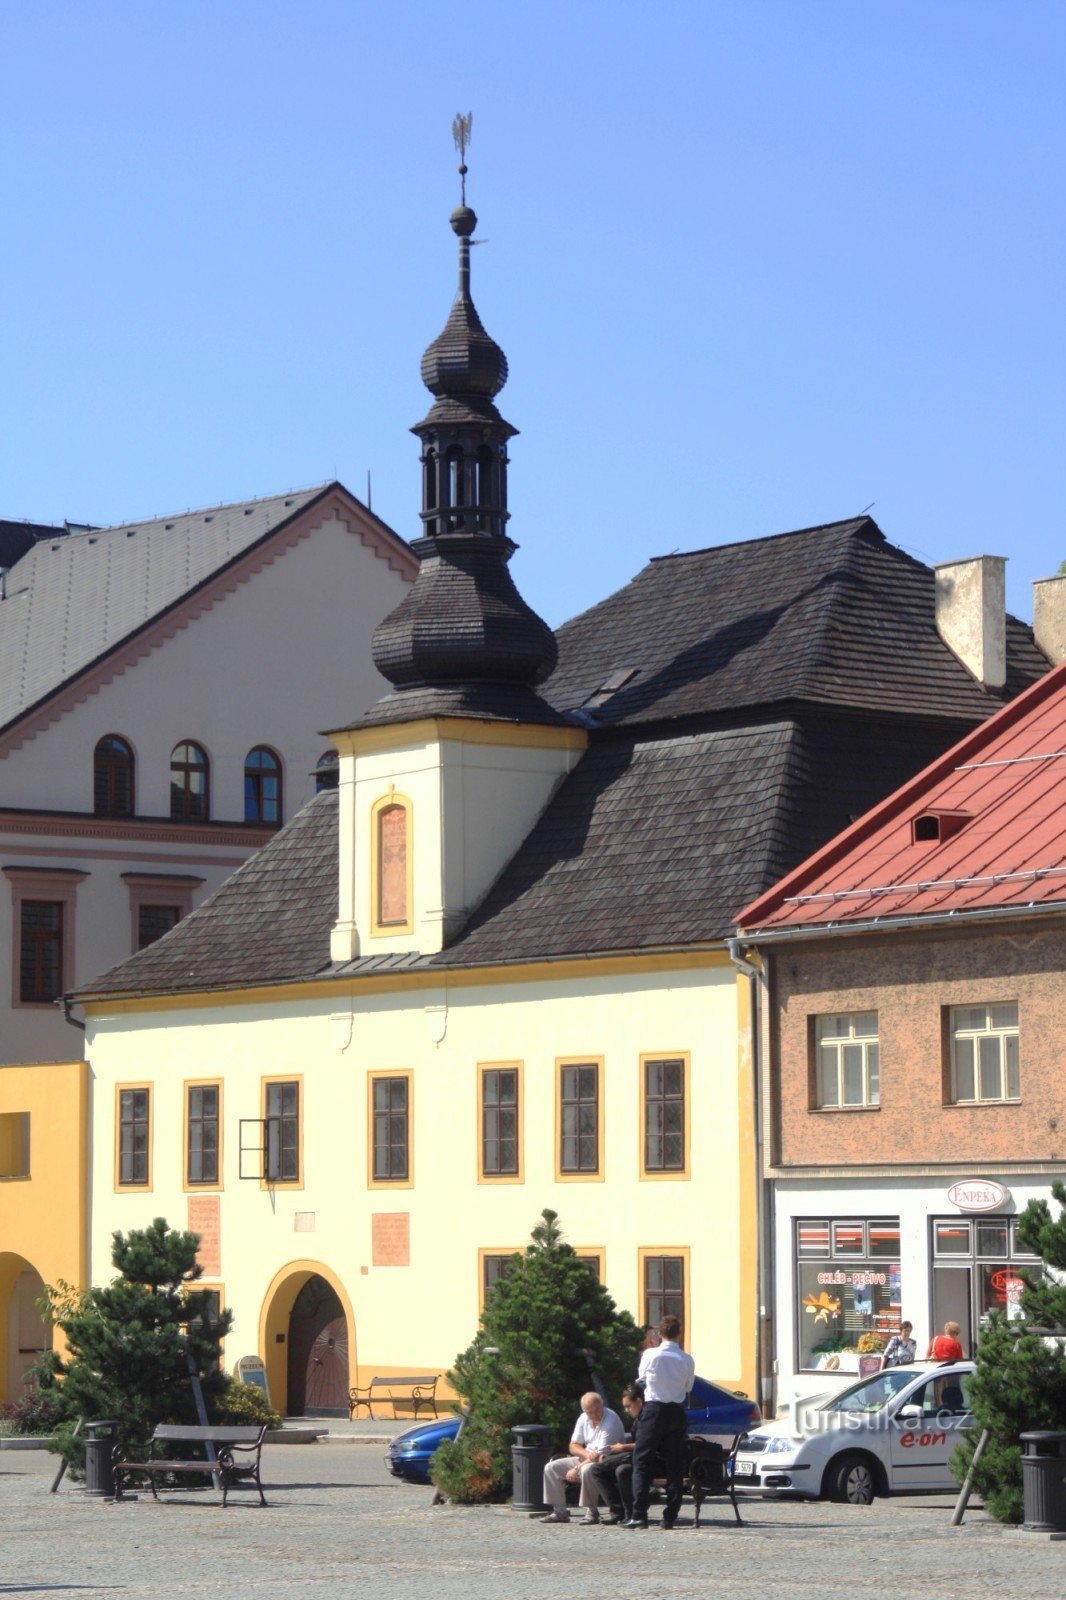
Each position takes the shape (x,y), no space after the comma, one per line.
(318,1353)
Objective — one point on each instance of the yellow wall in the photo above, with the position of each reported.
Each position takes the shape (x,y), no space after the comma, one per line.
(43,1219)
(416,1318)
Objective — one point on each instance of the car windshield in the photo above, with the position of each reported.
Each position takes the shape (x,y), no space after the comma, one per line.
(872,1395)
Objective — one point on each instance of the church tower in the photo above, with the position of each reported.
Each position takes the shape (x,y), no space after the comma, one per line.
(443,777)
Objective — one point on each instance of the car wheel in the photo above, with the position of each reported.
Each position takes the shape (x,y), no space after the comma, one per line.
(851,1481)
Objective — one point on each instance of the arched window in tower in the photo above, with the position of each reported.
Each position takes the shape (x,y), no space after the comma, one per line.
(392,865)
(327,771)
(485,495)
(262,787)
(113,777)
(190,783)
(455,476)
(430,464)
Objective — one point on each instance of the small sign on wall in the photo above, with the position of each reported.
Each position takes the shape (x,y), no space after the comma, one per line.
(250,1369)
(205,1218)
(391,1238)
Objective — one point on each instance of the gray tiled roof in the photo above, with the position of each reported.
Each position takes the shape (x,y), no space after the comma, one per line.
(827,615)
(73,598)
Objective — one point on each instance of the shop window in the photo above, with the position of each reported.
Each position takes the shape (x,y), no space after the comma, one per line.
(500,1117)
(663,1288)
(981,1262)
(847,1275)
(202,1129)
(113,777)
(14,1144)
(281,1103)
(134,1136)
(190,783)
(262,787)
(847,1071)
(663,1111)
(390,1100)
(984,1053)
(579,1122)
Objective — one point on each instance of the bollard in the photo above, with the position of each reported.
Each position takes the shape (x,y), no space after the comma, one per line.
(1044,1481)
(529,1456)
(100,1441)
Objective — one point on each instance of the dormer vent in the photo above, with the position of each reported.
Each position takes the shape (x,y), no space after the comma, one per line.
(933,827)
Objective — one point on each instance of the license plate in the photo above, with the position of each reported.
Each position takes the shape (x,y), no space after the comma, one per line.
(744,1469)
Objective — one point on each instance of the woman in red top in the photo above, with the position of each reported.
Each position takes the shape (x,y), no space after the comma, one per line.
(945,1346)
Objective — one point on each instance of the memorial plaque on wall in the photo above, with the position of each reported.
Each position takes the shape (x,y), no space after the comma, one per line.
(205,1218)
(391,1235)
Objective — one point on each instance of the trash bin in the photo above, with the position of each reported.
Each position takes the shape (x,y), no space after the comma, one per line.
(1044,1481)
(100,1441)
(530,1454)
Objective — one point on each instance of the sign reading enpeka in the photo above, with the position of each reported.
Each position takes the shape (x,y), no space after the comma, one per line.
(978,1194)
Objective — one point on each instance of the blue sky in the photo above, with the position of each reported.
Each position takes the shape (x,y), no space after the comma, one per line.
(755,264)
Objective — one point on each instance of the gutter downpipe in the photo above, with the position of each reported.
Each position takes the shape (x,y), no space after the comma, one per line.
(764,1324)
(66,1002)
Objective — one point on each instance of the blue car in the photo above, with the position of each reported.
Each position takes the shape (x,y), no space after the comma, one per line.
(713,1412)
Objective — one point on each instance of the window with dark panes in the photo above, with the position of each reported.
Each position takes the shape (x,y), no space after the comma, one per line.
(283,1132)
(201,1162)
(591,1262)
(327,771)
(664,1289)
(40,951)
(499,1121)
(579,1118)
(133,1107)
(190,787)
(390,1130)
(154,921)
(113,778)
(262,787)
(493,1268)
(664,1116)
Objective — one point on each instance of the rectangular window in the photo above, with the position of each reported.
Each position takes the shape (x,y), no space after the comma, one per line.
(282,1143)
(390,1099)
(500,1122)
(663,1288)
(134,1131)
(664,1115)
(593,1260)
(846,1066)
(852,1288)
(493,1267)
(202,1133)
(579,1119)
(14,1144)
(154,921)
(40,951)
(984,1053)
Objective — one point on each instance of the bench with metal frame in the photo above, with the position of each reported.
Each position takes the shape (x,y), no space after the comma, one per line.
(237,1459)
(419,1392)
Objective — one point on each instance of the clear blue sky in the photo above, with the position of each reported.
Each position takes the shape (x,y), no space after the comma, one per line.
(755,264)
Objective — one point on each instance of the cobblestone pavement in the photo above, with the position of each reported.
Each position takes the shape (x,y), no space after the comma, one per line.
(337,1525)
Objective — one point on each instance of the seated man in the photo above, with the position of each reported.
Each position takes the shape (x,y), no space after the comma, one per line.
(596,1429)
(613,1475)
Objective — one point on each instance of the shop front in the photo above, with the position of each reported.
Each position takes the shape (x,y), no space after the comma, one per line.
(853,1260)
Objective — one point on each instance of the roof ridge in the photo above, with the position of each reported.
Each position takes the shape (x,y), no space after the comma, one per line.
(768,538)
(198,511)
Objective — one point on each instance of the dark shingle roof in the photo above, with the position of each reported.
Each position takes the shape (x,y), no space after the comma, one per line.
(830,615)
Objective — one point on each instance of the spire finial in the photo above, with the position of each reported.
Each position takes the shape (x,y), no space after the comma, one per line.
(461,127)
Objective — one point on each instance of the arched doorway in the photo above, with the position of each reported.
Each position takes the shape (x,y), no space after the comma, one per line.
(318,1352)
(24,1332)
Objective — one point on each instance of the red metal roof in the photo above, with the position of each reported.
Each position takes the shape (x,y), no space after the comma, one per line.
(1002,844)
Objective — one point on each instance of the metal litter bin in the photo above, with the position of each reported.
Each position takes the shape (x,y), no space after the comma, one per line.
(100,1441)
(1044,1481)
(530,1454)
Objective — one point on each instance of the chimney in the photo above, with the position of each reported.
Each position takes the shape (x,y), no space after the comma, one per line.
(971,615)
(1049,617)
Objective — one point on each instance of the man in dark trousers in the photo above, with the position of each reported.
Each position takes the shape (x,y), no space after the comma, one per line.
(667,1372)
(613,1473)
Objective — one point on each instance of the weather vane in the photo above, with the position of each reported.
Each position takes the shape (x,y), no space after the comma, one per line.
(461,127)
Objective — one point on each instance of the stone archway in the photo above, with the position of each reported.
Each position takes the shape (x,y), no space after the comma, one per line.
(24,1334)
(307,1340)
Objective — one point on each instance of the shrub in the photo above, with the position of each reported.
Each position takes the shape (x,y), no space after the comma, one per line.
(245,1403)
(548,1325)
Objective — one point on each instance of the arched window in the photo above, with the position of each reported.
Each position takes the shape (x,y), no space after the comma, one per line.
(113,777)
(262,787)
(392,863)
(327,771)
(455,476)
(190,784)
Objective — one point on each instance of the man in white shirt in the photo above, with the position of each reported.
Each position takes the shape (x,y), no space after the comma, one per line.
(595,1431)
(667,1372)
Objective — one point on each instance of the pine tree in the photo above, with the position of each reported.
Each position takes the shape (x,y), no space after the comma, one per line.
(546,1326)
(129,1344)
(1020,1381)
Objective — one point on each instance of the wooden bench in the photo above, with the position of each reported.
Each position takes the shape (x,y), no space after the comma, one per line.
(168,1454)
(708,1473)
(417,1392)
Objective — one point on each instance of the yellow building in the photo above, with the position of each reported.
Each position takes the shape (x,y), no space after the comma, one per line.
(44,1153)
(490,972)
